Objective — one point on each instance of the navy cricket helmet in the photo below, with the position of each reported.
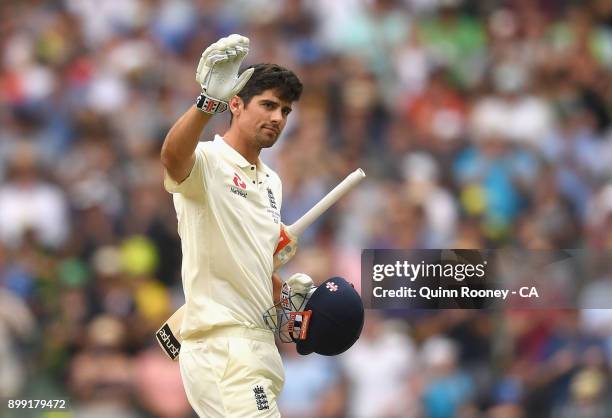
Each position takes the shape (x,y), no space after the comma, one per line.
(327,320)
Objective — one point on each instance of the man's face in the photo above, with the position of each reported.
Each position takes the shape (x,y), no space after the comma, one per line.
(264,118)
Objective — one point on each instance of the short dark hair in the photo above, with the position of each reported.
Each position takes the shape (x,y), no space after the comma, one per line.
(272,77)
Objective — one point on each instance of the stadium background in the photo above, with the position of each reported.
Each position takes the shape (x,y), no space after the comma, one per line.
(480,124)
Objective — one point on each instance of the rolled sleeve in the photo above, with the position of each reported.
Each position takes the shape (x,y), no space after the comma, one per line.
(194,185)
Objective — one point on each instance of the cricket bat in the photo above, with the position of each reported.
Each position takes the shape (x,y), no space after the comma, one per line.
(168,336)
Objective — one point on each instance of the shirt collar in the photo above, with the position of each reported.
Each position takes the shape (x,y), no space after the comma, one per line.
(237,158)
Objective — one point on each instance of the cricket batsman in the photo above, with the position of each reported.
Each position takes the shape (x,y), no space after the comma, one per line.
(228,208)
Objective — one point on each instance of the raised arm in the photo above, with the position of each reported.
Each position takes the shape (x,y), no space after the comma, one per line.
(217,74)
(177,154)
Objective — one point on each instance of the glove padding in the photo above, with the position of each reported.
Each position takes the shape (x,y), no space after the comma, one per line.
(300,283)
(295,289)
(217,71)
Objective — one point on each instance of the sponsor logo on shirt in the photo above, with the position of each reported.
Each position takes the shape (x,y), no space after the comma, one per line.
(238,192)
(240,186)
(238,182)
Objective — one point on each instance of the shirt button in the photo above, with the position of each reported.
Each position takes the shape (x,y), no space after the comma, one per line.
(267,175)
(252,168)
(253,181)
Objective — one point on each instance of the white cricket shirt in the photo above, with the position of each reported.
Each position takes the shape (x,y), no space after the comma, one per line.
(228,214)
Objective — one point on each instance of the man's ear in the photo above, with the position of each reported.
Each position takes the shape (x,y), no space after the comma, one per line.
(236,105)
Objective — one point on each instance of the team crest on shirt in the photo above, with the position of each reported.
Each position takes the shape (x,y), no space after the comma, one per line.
(271,199)
(273,209)
(261,399)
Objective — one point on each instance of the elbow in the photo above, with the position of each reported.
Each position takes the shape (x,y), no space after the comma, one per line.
(163,156)
(166,156)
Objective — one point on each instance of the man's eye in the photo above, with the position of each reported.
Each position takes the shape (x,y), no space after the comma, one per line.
(269,105)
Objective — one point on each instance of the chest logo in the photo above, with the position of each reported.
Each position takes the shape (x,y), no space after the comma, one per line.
(261,399)
(238,182)
(240,186)
(271,199)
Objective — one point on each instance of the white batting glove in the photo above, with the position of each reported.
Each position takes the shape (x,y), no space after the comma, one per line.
(300,283)
(217,73)
(295,289)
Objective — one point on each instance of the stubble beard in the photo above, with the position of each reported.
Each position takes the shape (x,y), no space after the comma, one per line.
(264,140)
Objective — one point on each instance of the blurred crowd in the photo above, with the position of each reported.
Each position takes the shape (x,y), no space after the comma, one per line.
(480,124)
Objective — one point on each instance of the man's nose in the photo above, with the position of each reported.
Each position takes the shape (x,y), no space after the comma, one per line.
(276,116)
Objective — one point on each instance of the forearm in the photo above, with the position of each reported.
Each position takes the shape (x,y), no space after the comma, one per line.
(177,154)
(277,284)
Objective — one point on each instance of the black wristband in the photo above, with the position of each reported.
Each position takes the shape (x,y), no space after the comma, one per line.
(210,105)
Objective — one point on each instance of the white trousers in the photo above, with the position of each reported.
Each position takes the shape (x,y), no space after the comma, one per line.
(232,372)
